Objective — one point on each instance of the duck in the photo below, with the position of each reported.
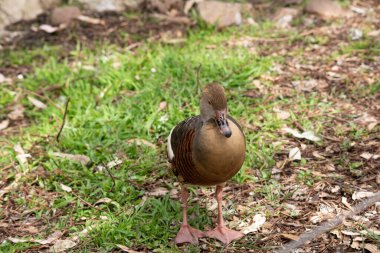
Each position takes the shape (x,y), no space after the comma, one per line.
(206,150)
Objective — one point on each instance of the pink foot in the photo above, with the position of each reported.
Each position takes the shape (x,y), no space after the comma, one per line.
(224,234)
(188,234)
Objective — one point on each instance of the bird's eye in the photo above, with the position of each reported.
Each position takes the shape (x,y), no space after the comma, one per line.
(209,102)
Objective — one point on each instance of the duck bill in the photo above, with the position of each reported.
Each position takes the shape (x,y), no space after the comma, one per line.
(221,121)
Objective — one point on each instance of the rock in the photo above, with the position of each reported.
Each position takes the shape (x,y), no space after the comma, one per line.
(284,16)
(222,14)
(15,10)
(325,8)
(164,6)
(355,34)
(109,5)
(64,15)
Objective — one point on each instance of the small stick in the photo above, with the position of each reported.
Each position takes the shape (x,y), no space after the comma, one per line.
(113,178)
(197,78)
(329,225)
(63,120)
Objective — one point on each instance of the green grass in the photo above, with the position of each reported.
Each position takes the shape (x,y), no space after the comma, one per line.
(114,97)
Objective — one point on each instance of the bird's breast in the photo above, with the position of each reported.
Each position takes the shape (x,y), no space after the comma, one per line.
(216,157)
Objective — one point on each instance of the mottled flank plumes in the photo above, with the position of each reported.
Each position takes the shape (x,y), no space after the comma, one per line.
(215,95)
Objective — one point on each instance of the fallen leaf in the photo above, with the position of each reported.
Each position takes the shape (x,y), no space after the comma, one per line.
(309,135)
(316,154)
(295,154)
(140,142)
(345,202)
(106,201)
(37,103)
(281,114)
(17,240)
(162,105)
(49,29)
(290,236)
(31,229)
(360,195)
(66,188)
(17,112)
(158,192)
(4,124)
(82,159)
(4,79)
(350,233)
(114,163)
(368,120)
(53,237)
(258,220)
(369,156)
(126,249)
(21,155)
(62,245)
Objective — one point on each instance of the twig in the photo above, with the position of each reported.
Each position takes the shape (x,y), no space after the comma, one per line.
(329,225)
(85,202)
(113,178)
(197,78)
(63,120)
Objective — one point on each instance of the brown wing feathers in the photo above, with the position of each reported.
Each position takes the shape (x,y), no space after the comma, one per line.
(182,140)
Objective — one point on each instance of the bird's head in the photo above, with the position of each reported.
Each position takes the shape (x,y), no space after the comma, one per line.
(214,106)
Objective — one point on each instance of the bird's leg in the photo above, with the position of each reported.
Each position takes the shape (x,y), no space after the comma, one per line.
(222,233)
(186,232)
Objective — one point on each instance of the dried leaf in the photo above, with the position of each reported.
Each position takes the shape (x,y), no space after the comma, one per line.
(4,79)
(258,220)
(62,245)
(37,103)
(368,156)
(316,154)
(350,233)
(4,124)
(345,202)
(126,249)
(106,201)
(140,142)
(295,154)
(158,192)
(66,188)
(309,135)
(53,237)
(360,195)
(290,236)
(21,155)
(162,105)
(281,114)
(48,28)
(17,240)
(82,159)
(17,112)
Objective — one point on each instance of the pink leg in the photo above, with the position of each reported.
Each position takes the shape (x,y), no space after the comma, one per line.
(186,232)
(222,233)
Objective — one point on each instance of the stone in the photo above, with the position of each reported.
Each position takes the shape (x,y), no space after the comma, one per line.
(12,11)
(64,15)
(325,8)
(109,5)
(284,16)
(222,14)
